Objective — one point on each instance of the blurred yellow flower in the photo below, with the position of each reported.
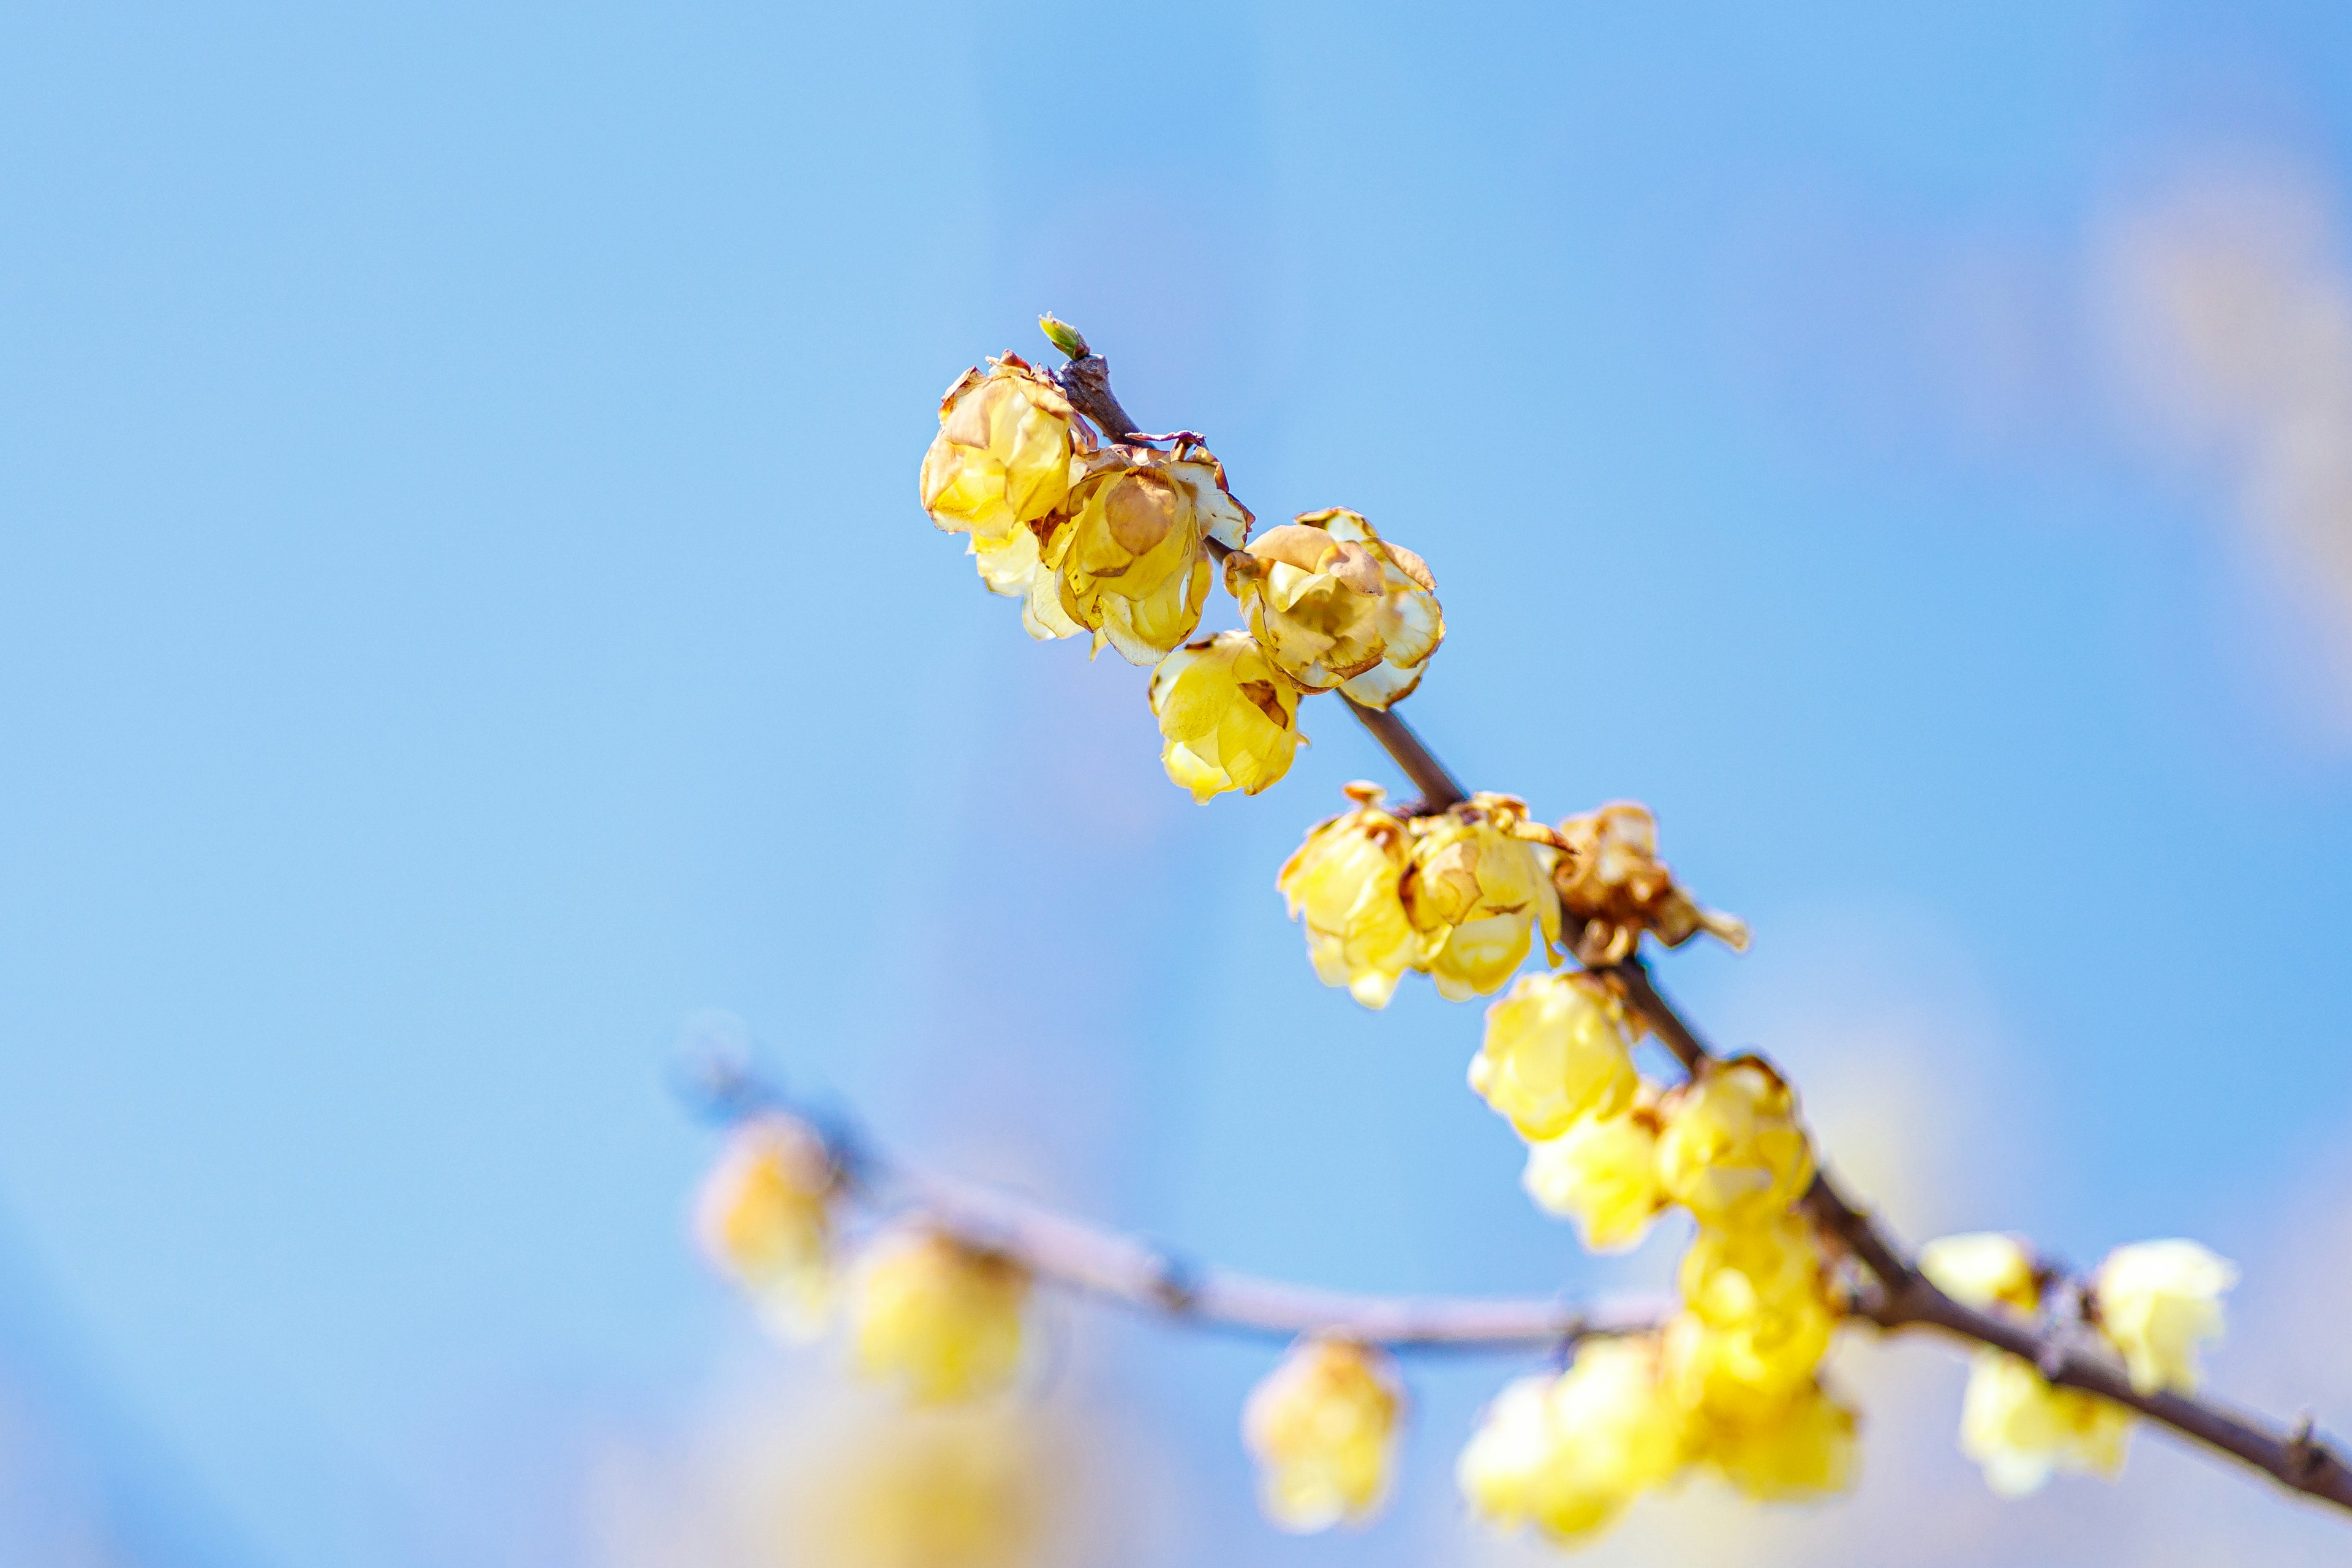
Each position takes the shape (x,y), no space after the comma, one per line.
(1226,720)
(1567,1454)
(1322,1426)
(1747,1368)
(1982,1268)
(937,1316)
(1732,1277)
(762,1218)
(1478,884)
(1801,1451)
(1000,463)
(2022,1430)
(1603,1172)
(1131,564)
(1343,883)
(1612,888)
(1732,1152)
(2158,1301)
(1335,606)
(1556,1050)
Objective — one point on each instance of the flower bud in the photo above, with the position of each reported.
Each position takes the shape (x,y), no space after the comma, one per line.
(1343,884)
(1732,1152)
(763,1220)
(1322,1427)
(2158,1302)
(1556,1051)
(1335,605)
(1801,1451)
(1603,1172)
(1567,1453)
(1131,564)
(1478,881)
(1612,888)
(1226,720)
(1983,1269)
(940,1317)
(1000,463)
(2022,1431)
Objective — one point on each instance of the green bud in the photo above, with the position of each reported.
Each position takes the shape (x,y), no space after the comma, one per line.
(1064,336)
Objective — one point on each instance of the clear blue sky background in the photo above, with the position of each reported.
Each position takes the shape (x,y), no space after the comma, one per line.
(463,612)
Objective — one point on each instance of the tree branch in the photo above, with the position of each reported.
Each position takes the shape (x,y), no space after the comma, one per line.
(1899,1296)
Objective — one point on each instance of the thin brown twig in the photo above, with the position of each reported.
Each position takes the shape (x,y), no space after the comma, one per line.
(1901,1297)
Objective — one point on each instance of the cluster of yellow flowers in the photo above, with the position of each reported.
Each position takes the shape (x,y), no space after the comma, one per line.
(1730,1384)
(1322,1426)
(1116,539)
(2154,1303)
(939,1318)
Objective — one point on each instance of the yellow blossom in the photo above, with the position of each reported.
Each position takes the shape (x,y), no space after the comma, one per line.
(2158,1302)
(1745,1369)
(1335,606)
(1603,1172)
(1343,885)
(762,1219)
(1556,1050)
(1226,720)
(1801,1449)
(1982,1268)
(1322,1427)
(1612,888)
(938,1317)
(1479,881)
(1567,1454)
(2022,1430)
(1131,563)
(1730,1277)
(1000,463)
(1732,1152)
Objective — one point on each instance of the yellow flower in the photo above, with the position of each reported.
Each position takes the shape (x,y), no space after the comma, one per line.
(2158,1302)
(1612,888)
(1731,1278)
(1802,1450)
(1226,720)
(762,1219)
(1478,881)
(1000,463)
(1344,883)
(938,1317)
(1732,1152)
(1322,1427)
(1603,1172)
(1131,564)
(1335,606)
(1556,1050)
(1567,1454)
(1745,1369)
(1982,1268)
(2022,1430)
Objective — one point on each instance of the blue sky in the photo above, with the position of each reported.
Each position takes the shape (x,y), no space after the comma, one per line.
(463,614)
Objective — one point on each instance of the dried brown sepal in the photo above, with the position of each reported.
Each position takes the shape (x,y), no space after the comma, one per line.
(1612,888)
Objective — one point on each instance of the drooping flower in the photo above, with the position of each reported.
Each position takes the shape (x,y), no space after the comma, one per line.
(1335,605)
(2158,1301)
(1226,720)
(1478,885)
(1983,1269)
(1130,563)
(1732,1152)
(1730,1277)
(1556,1050)
(1322,1426)
(1747,1368)
(939,1318)
(1801,1451)
(764,1219)
(999,464)
(1612,888)
(1343,884)
(1603,1172)
(1567,1454)
(2022,1431)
